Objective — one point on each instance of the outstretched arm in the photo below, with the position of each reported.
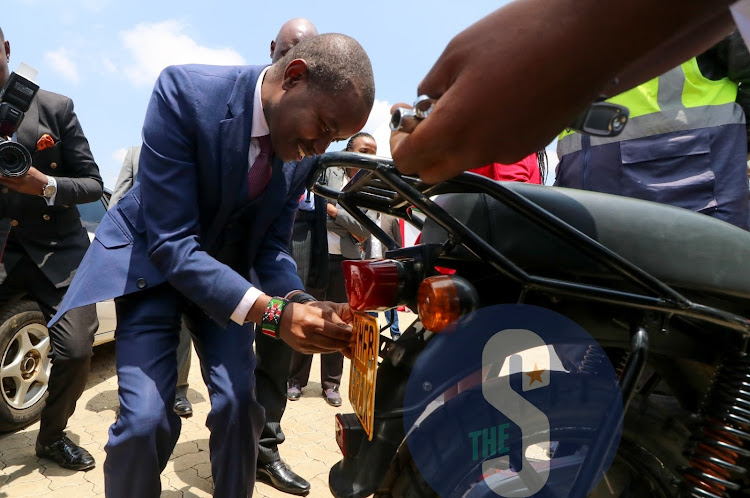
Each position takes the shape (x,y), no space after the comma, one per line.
(509,83)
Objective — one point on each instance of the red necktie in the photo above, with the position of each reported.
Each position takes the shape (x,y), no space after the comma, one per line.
(260,171)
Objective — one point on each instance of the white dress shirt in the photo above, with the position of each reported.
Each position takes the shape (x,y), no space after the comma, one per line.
(259,128)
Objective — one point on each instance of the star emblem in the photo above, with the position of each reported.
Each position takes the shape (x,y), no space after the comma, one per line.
(535,375)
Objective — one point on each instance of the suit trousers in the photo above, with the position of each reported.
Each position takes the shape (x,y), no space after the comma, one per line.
(71,338)
(331,364)
(144,436)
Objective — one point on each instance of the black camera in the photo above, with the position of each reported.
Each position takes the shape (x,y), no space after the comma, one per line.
(15,100)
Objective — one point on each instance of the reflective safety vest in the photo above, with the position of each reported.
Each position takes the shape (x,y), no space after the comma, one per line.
(679,100)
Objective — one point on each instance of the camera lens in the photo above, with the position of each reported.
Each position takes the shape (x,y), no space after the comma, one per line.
(15,160)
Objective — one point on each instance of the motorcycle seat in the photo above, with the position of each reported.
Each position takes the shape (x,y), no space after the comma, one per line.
(684,249)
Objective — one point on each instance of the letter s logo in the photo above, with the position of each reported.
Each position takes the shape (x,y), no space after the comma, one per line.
(500,394)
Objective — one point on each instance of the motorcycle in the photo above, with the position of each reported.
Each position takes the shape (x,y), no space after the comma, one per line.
(663,293)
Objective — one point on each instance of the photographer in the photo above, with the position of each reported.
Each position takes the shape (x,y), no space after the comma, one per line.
(45,244)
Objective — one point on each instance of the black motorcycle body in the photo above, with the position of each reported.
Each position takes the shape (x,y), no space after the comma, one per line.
(663,291)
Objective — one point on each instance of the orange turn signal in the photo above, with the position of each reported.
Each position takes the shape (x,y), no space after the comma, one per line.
(443,299)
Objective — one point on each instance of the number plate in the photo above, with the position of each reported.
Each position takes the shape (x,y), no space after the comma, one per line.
(364,369)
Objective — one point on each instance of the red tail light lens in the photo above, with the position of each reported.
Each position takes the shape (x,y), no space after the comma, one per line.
(372,285)
(340,434)
(350,434)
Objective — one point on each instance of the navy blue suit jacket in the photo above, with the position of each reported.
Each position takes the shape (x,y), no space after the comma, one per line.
(192,179)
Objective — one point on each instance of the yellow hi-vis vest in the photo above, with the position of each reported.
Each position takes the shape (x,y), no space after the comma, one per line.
(678,100)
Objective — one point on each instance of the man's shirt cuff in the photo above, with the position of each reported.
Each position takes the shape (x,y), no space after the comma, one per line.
(243,308)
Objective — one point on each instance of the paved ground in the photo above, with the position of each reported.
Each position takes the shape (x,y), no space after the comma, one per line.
(308,424)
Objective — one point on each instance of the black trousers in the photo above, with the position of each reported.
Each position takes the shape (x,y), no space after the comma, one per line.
(271,371)
(71,340)
(184,352)
(331,364)
(274,358)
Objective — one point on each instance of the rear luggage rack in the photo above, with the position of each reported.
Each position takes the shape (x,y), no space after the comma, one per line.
(380,187)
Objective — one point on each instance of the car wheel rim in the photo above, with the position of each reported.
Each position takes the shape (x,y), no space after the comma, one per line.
(25,367)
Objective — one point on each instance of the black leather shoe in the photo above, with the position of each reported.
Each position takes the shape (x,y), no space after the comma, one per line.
(332,396)
(66,454)
(182,407)
(280,476)
(293,391)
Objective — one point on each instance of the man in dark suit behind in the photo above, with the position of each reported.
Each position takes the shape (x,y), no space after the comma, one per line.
(220,175)
(45,245)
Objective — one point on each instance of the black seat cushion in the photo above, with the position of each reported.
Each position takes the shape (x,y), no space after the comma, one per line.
(684,249)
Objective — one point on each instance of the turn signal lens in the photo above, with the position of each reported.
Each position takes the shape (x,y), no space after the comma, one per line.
(443,299)
(372,285)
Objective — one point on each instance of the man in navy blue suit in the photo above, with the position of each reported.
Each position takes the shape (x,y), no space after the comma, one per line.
(212,202)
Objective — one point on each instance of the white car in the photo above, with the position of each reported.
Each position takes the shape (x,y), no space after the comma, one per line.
(25,343)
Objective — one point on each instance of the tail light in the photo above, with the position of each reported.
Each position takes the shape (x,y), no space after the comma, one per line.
(340,434)
(443,299)
(349,434)
(375,285)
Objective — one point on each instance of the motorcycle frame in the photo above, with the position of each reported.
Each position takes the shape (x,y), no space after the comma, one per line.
(365,190)
(378,186)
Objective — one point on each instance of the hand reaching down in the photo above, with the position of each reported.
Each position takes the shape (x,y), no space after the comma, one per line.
(317,327)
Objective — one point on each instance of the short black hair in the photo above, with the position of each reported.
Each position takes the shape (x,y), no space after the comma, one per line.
(350,143)
(334,62)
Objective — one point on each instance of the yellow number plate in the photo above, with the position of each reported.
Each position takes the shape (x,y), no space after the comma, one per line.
(364,369)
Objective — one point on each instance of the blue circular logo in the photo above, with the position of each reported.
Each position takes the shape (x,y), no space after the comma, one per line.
(513,400)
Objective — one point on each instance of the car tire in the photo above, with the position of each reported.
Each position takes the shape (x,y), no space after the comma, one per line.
(24,365)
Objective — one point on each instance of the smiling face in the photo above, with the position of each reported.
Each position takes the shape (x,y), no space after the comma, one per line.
(303,120)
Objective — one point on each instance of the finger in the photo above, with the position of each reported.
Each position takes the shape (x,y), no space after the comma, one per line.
(347,352)
(400,104)
(344,311)
(437,80)
(445,143)
(337,332)
(313,349)
(335,318)
(423,148)
(396,138)
(324,344)
(326,308)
